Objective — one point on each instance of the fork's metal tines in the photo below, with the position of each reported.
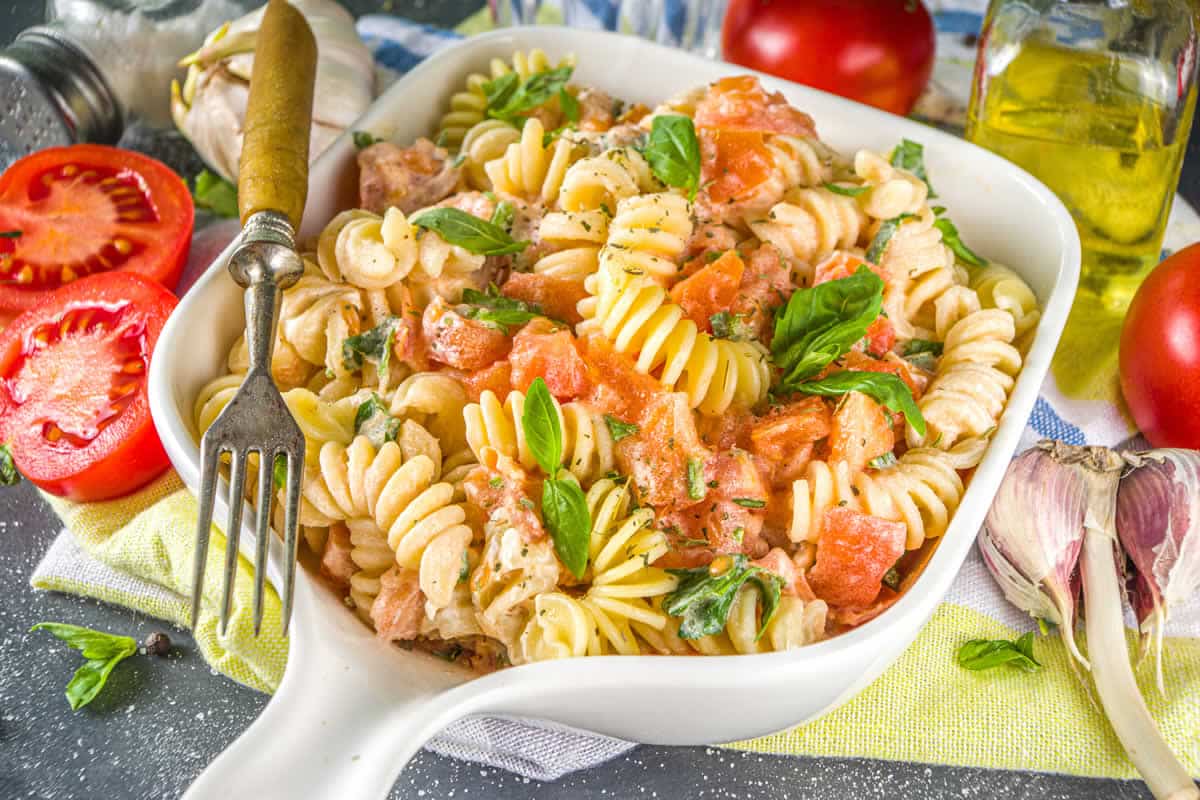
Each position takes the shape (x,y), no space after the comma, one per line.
(256,421)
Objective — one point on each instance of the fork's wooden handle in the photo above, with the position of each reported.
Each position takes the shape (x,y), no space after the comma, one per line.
(273,173)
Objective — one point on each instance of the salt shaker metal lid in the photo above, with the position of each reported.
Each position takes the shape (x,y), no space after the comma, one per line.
(52,93)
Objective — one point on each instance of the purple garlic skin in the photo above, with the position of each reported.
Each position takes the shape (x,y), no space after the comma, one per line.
(1032,537)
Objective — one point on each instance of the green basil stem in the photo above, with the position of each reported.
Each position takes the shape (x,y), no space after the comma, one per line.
(1123,704)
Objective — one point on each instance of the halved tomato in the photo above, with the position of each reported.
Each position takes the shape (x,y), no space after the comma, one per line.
(69,212)
(73,405)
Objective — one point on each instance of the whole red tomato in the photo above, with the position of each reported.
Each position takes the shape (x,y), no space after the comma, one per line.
(1160,352)
(878,52)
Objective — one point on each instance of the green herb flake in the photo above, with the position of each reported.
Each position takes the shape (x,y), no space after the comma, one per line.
(673,152)
(102,652)
(887,229)
(750,502)
(727,325)
(981,654)
(916,347)
(703,600)
(952,240)
(883,387)
(11,234)
(363,139)
(820,324)
(695,479)
(279,471)
(373,420)
(910,156)
(619,430)
(884,461)
(503,215)
(9,476)
(475,235)
(374,346)
(846,191)
(891,579)
(498,311)
(215,194)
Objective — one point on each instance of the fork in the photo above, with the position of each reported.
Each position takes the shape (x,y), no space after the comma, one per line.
(272,188)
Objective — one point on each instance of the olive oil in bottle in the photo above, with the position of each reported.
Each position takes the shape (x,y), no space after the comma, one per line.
(1099,120)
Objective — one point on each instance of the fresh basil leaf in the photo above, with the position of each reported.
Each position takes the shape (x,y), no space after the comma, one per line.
(887,229)
(507,99)
(727,325)
(695,479)
(618,429)
(9,476)
(374,345)
(568,104)
(279,471)
(503,215)
(373,420)
(915,347)
(497,310)
(469,232)
(750,502)
(11,234)
(673,152)
(215,194)
(822,323)
(565,512)
(102,652)
(952,240)
(847,191)
(884,461)
(910,156)
(882,387)
(543,432)
(498,91)
(363,139)
(981,654)
(703,600)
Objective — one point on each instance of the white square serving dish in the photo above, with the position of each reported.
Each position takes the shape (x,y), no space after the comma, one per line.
(351,710)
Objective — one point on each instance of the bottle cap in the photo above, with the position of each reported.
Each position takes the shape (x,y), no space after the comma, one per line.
(52,93)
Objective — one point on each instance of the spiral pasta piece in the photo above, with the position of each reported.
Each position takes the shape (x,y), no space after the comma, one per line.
(485,141)
(810,224)
(435,401)
(587,444)
(373,253)
(576,238)
(601,182)
(370,553)
(316,316)
(531,169)
(647,236)
(920,267)
(803,160)
(511,571)
(1000,287)
(891,191)
(636,315)
(468,106)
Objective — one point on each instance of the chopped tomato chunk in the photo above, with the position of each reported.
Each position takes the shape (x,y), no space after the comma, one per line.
(502,490)
(733,163)
(710,290)
(784,438)
(843,264)
(497,378)
(853,553)
(557,297)
(617,387)
(400,606)
(861,431)
(336,564)
(459,342)
(881,336)
(740,103)
(540,351)
(766,285)
(657,457)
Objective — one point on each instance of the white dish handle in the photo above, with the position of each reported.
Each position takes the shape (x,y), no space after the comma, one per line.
(313,739)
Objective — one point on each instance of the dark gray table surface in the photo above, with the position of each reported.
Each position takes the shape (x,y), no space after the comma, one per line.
(159,722)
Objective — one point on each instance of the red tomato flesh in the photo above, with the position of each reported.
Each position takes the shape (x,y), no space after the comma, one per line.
(541,351)
(710,290)
(87,209)
(1160,352)
(853,553)
(740,103)
(73,403)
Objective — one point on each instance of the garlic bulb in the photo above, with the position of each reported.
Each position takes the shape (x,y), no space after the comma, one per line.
(1158,521)
(1031,537)
(210,106)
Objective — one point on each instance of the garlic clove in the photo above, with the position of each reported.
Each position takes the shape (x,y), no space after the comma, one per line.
(1158,517)
(1032,535)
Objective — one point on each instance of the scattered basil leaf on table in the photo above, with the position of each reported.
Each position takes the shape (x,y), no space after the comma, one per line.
(882,387)
(469,232)
(822,323)
(618,429)
(981,654)
(910,156)
(673,152)
(374,345)
(364,139)
(887,229)
(374,420)
(703,600)
(102,652)
(9,476)
(847,191)
(215,194)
